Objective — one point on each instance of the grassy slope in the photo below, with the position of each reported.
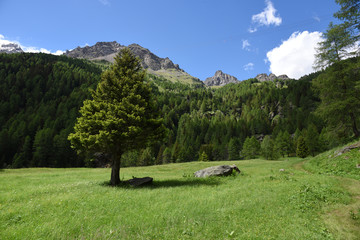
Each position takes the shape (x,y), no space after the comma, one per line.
(343,219)
(262,203)
(177,76)
(332,163)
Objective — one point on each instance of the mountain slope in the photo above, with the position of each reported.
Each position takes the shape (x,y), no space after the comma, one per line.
(149,61)
(220,79)
(263,77)
(40,96)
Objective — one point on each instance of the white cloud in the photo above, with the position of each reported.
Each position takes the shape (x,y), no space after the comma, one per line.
(266,18)
(4,41)
(27,48)
(316,18)
(246,45)
(249,67)
(295,56)
(252,29)
(105,2)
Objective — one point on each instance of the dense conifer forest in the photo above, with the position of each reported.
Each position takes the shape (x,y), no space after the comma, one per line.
(41,96)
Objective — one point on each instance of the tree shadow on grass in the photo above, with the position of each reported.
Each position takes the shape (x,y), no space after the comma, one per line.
(186,182)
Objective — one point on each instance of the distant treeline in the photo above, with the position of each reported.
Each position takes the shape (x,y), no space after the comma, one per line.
(41,95)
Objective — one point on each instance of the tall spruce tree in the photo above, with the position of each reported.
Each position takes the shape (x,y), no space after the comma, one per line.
(340,96)
(267,148)
(335,46)
(121,116)
(350,14)
(251,148)
(302,150)
(340,40)
(312,139)
(234,149)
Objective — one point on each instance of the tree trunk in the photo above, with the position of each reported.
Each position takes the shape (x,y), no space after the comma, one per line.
(354,126)
(115,169)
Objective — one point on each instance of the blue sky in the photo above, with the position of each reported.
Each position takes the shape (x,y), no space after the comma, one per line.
(241,38)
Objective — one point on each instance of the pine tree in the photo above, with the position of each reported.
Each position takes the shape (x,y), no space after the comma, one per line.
(350,14)
(312,139)
(203,157)
(166,158)
(335,46)
(234,149)
(302,150)
(121,116)
(339,91)
(280,144)
(267,148)
(251,148)
(283,143)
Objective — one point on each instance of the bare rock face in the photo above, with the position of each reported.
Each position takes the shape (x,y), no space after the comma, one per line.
(10,48)
(108,50)
(150,60)
(222,170)
(263,77)
(100,49)
(220,79)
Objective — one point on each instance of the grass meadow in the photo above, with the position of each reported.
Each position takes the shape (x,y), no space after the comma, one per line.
(260,203)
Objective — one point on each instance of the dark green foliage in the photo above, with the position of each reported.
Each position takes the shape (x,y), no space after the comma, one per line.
(338,88)
(121,116)
(203,157)
(341,40)
(335,47)
(251,148)
(40,95)
(349,14)
(146,157)
(234,149)
(312,139)
(208,150)
(43,92)
(268,148)
(283,143)
(301,149)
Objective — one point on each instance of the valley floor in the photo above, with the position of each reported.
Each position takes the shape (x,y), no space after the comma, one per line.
(268,200)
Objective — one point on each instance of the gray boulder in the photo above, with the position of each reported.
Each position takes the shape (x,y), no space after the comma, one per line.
(136,182)
(347,149)
(223,170)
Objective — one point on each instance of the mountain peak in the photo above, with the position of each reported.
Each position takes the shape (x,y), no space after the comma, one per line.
(10,48)
(154,64)
(100,49)
(220,79)
(108,50)
(263,77)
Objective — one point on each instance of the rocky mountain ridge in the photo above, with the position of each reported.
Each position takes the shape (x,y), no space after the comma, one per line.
(155,65)
(220,79)
(108,50)
(10,48)
(263,77)
(100,49)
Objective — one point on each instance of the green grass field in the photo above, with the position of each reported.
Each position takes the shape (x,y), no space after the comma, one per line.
(260,203)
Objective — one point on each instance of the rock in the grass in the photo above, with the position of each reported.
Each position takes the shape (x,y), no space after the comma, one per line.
(346,149)
(136,182)
(223,170)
